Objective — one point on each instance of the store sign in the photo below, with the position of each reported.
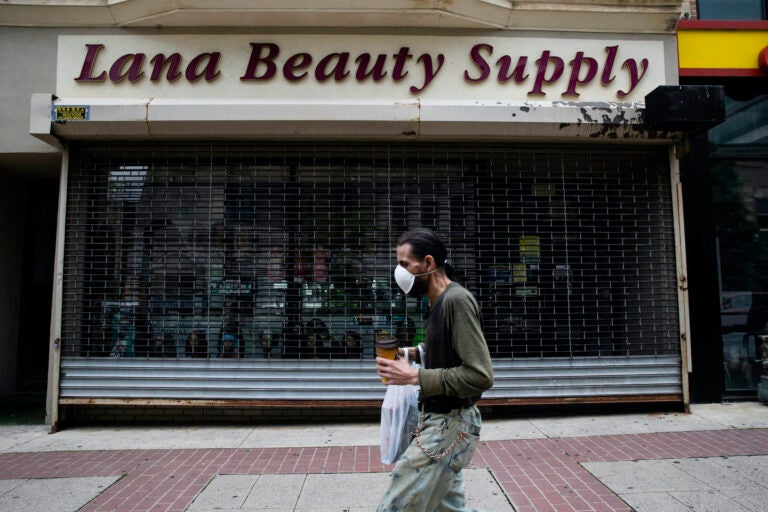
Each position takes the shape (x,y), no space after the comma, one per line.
(326,67)
(723,48)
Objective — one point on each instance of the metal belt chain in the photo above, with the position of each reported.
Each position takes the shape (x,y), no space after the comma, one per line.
(437,456)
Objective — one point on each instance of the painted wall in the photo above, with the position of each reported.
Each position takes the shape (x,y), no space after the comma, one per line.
(28,66)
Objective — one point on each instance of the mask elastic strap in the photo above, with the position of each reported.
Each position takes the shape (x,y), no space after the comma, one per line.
(427,273)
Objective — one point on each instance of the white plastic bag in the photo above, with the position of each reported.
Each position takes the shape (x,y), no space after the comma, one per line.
(399,417)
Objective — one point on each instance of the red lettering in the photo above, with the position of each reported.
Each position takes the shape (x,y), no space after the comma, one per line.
(479,61)
(209,72)
(400,58)
(256,59)
(575,79)
(295,63)
(86,73)
(541,75)
(134,62)
(430,71)
(338,67)
(606,77)
(263,65)
(518,74)
(173,62)
(634,75)
(377,71)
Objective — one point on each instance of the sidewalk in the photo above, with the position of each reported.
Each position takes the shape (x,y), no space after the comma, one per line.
(714,459)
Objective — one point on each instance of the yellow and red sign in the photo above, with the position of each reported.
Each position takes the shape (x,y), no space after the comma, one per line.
(722,48)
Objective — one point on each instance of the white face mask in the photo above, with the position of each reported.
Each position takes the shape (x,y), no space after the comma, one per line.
(405,279)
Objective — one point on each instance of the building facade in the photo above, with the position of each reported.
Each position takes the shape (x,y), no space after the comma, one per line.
(724,179)
(229,197)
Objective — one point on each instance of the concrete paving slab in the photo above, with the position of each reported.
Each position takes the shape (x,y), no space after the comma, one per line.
(508,429)
(127,438)
(534,472)
(60,494)
(484,493)
(735,484)
(342,491)
(753,468)
(349,509)
(225,492)
(340,434)
(701,417)
(35,438)
(12,436)
(654,502)
(646,475)
(352,492)
(278,492)
(715,475)
(710,501)
(734,415)
(7,485)
(615,424)
(752,499)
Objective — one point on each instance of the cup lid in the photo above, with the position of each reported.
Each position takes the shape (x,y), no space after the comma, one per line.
(387,342)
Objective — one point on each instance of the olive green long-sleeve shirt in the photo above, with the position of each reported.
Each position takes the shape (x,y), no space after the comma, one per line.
(456,359)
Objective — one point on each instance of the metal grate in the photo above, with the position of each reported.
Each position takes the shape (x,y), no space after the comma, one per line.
(286,251)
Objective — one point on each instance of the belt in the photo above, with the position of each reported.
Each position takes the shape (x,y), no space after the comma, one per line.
(445,408)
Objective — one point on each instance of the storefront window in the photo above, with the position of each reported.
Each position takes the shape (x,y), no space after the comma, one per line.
(731,9)
(287,251)
(739,152)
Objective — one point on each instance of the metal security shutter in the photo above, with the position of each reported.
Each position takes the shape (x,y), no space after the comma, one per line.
(193,263)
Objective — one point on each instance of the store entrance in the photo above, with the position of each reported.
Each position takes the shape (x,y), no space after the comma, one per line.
(285,253)
(739,163)
(39,217)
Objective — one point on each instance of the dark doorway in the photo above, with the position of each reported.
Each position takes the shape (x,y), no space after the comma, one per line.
(39,219)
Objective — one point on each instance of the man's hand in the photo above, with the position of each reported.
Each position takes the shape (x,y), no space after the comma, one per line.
(399,372)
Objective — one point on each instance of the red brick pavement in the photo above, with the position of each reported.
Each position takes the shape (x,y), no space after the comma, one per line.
(539,475)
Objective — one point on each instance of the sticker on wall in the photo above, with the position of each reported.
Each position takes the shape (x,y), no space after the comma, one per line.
(498,274)
(520,273)
(530,248)
(61,113)
(527,291)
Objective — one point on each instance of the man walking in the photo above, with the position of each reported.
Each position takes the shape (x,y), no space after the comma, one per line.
(456,369)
